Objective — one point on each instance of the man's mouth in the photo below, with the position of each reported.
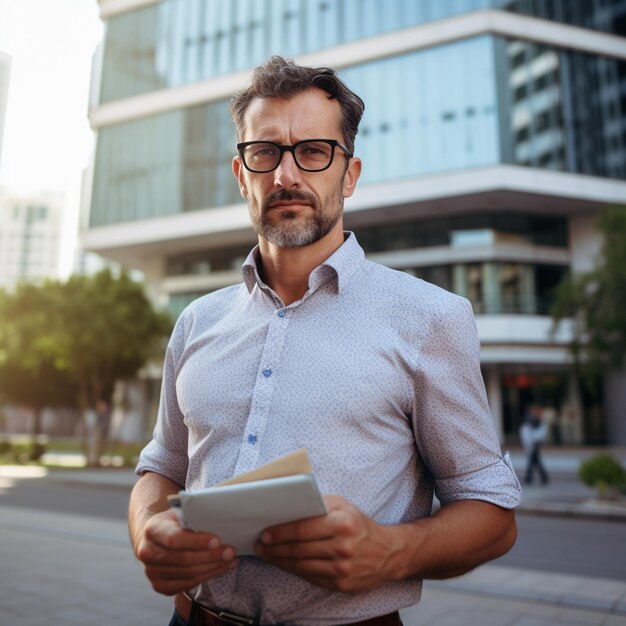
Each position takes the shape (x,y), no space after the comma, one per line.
(288,203)
(286,199)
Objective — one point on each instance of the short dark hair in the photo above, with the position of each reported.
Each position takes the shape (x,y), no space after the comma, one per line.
(283,78)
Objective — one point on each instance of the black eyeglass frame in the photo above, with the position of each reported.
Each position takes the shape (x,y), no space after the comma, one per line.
(333,143)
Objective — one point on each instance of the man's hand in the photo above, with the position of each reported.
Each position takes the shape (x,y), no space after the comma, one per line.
(343,550)
(347,551)
(177,559)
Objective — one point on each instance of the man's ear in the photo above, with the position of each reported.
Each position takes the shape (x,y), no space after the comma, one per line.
(352,176)
(238,171)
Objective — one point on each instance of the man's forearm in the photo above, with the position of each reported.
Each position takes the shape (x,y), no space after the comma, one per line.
(456,539)
(149,497)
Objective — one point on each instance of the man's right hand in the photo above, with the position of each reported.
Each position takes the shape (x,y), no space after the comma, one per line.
(177,559)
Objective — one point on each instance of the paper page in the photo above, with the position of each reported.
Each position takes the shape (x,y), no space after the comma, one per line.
(297,462)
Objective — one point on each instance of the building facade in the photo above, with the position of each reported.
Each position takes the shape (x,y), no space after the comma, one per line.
(5,74)
(494,133)
(30,237)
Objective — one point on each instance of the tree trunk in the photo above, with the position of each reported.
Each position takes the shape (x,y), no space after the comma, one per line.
(38,447)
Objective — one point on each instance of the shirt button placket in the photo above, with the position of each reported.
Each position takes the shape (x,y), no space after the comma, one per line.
(263,393)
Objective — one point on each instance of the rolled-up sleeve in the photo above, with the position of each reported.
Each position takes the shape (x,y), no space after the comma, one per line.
(453,425)
(497,484)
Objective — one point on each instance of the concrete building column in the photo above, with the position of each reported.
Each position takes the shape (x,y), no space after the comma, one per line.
(615,411)
(572,413)
(494,395)
(492,289)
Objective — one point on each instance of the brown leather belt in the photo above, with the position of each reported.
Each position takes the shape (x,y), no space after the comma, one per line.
(215,617)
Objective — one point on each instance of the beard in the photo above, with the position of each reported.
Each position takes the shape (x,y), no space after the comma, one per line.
(291,229)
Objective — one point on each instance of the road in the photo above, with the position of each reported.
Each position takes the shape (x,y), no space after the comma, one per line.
(549,544)
(569,546)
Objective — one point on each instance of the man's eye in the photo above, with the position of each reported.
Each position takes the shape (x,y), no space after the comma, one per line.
(314,151)
(264,152)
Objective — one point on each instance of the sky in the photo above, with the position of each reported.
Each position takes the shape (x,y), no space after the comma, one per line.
(47,138)
(47,135)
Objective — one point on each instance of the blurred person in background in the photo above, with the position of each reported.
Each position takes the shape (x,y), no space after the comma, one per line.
(533,433)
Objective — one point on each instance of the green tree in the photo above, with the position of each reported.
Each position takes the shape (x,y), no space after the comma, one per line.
(105,330)
(596,303)
(28,376)
(94,330)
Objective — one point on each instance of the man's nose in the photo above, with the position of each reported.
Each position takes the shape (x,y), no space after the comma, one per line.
(287,174)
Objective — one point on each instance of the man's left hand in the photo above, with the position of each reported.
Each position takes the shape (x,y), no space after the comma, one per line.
(343,550)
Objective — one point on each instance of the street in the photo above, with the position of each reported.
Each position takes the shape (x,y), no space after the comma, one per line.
(569,545)
(65,559)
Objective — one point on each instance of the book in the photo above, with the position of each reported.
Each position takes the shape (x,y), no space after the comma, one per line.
(239,509)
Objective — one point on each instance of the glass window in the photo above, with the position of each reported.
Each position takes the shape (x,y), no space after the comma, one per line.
(165,164)
(608,16)
(558,109)
(483,230)
(179,41)
(570,119)
(430,125)
(498,288)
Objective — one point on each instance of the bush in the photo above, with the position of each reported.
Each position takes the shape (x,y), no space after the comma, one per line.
(605,473)
(22,449)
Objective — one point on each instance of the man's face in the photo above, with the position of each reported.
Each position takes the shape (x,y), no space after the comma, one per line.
(289,207)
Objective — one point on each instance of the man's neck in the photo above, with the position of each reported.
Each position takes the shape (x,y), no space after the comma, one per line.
(287,270)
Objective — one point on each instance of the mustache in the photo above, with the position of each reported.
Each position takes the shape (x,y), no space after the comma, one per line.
(285,195)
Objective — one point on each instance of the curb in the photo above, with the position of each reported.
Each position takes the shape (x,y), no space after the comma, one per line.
(598,512)
(565,600)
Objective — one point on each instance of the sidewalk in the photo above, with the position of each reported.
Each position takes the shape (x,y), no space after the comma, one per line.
(565,494)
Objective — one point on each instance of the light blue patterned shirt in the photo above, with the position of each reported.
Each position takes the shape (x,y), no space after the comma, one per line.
(375,372)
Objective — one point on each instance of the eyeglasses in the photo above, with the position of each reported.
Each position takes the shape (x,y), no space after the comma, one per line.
(311,155)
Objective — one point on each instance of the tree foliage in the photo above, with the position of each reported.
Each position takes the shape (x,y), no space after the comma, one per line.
(28,375)
(69,342)
(596,302)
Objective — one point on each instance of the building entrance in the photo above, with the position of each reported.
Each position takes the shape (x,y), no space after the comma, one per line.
(548,390)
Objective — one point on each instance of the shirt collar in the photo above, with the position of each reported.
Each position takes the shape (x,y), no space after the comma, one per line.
(340,265)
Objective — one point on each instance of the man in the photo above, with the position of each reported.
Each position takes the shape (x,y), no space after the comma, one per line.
(534,432)
(375,372)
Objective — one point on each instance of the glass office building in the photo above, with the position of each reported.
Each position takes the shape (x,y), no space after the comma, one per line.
(494,133)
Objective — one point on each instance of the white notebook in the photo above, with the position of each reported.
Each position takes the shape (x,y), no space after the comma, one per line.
(237,512)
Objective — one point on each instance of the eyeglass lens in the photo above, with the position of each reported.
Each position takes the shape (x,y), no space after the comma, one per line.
(309,155)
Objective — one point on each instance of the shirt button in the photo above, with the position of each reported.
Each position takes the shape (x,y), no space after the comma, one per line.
(281,313)
(252,439)
(267,373)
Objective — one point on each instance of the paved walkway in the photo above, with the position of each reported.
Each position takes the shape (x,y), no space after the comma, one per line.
(74,570)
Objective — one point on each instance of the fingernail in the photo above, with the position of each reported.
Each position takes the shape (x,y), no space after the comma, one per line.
(266,537)
(214,543)
(228,554)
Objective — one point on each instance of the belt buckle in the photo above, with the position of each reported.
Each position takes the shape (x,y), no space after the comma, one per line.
(233,618)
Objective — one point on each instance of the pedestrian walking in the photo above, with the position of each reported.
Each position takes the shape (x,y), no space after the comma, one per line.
(533,433)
